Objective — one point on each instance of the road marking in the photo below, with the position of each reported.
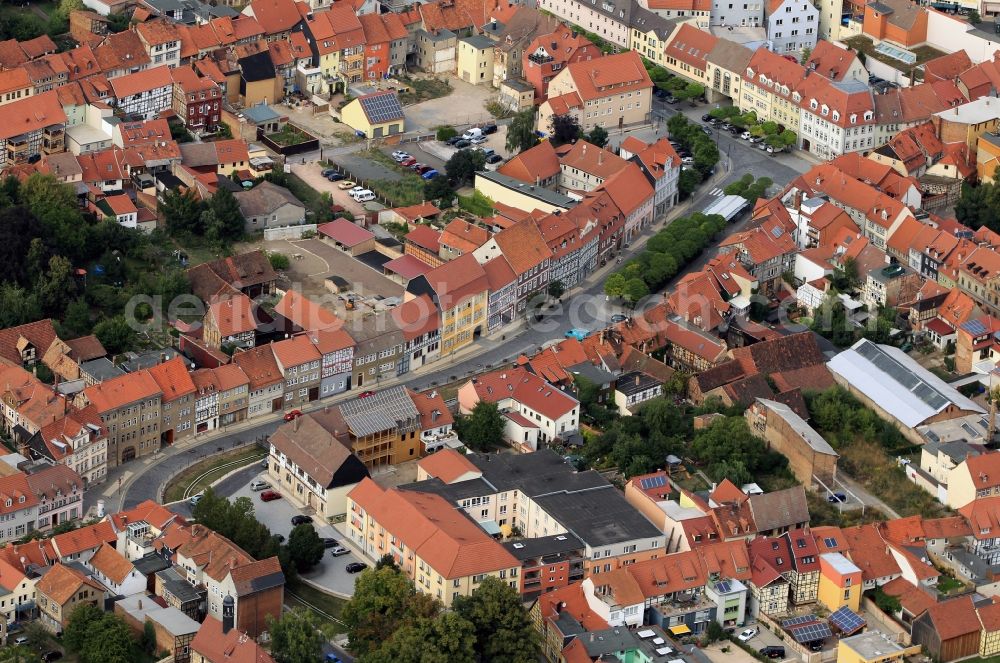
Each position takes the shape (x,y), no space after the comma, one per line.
(187,491)
(297,243)
(716,192)
(313,608)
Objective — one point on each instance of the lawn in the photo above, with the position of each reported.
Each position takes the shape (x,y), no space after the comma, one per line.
(201,475)
(947,584)
(400,193)
(477,204)
(299,594)
(289,135)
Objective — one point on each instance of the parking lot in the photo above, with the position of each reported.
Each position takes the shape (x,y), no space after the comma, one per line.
(465,105)
(311,174)
(277,515)
(765,638)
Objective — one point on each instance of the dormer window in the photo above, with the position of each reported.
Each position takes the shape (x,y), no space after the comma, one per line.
(796,97)
(749,72)
(854,118)
(868,116)
(836,116)
(812,104)
(825,110)
(9,502)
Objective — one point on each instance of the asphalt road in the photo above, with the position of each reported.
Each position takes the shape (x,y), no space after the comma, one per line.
(587,309)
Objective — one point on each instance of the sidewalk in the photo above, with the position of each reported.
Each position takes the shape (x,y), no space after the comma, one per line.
(121,478)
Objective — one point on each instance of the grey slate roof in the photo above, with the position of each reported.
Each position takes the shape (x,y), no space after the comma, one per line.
(265,198)
(781,509)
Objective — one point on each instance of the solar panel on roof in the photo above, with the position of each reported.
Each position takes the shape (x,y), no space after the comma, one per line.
(723,587)
(383,108)
(801,619)
(847,621)
(830,542)
(653,482)
(906,378)
(811,633)
(974,327)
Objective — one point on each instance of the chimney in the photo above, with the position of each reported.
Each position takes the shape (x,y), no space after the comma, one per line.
(139,604)
(228,610)
(637,380)
(163,357)
(295,424)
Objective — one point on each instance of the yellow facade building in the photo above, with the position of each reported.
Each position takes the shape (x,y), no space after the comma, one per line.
(475,60)
(437,546)
(839,582)
(872,647)
(460,291)
(375,115)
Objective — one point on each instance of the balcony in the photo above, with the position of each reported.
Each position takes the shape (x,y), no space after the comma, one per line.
(436,441)
(540,58)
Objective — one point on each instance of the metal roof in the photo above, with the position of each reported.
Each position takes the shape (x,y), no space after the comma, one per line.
(383,410)
(901,386)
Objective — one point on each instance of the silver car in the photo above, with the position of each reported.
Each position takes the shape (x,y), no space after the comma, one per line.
(337,551)
(258,485)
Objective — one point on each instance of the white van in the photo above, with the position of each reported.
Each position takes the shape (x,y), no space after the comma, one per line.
(475,132)
(363,196)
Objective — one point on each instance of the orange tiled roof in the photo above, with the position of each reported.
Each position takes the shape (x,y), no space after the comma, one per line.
(84,538)
(610,75)
(123,390)
(259,366)
(112,564)
(62,582)
(447,465)
(540,161)
(295,351)
(172,378)
(233,647)
(463,236)
(305,313)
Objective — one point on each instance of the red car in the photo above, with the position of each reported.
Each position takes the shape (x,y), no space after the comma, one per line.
(406,163)
(292,415)
(366,394)
(270,496)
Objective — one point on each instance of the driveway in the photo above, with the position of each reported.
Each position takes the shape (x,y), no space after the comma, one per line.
(364,280)
(764,638)
(734,655)
(277,515)
(465,105)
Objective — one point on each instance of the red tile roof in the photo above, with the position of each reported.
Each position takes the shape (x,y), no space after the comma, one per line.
(305,313)
(610,75)
(526,388)
(457,280)
(425,237)
(89,537)
(173,379)
(523,246)
(31,114)
(259,366)
(234,647)
(142,81)
(295,351)
(448,465)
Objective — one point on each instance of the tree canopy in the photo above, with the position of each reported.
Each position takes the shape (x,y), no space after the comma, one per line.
(305,547)
(99,637)
(564,129)
(463,165)
(521,131)
(503,631)
(295,637)
(483,428)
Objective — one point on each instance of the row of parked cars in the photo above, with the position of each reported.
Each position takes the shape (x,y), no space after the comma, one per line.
(407,160)
(757,141)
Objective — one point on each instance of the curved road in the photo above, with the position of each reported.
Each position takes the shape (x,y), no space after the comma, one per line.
(586,308)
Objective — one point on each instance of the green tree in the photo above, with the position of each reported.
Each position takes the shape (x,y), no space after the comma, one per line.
(445,132)
(17,305)
(687,182)
(614,286)
(295,637)
(279,261)
(461,168)
(82,622)
(386,560)
(118,22)
(447,638)
(439,188)
(635,289)
(182,212)
(57,288)
(598,136)
(564,129)
(305,547)
(556,289)
(845,278)
(76,319)
(115,334)
(806,54)
(521,131)
(227,213)
(383,600)
(503,631)
(148,640)
(974,17)
(483,428)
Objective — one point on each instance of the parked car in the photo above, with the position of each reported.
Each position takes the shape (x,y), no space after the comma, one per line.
(194,499)
(53,655)
(478,140)
(21,640)
(330,542)
(746,635)
(727,126)
(490,129)
(348,184)
(746,135)
(474,132)
(671,99)
(462,144)
(327,172)
(734,130)
(761,146)
(578,334)
(773,651)
(416,165)
(687,160)
(706,117)
(264,463)
(660,93)
(338,551)
(257,485)
(270,496)
(494,158)
(618,317)
(331,658)
(363,196)
(366,394)
(408,162)
(430,174)
(757,139)
(399,155)
(424,168)
(335,177)
(835,498)
(301,519)
(292,415)
(355,567)
(707,130)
